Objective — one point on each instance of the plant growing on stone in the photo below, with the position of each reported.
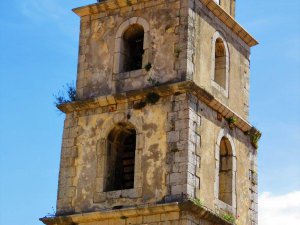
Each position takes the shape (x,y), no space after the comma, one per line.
(148,67)
(231,121)
(255,136)
(51,214)
(68,94)
(198,202)
(229,218)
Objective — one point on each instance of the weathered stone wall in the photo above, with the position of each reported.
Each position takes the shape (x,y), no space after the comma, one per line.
(203,150)
(172,218)
(179,47)
(156,219)
(202,28)
(176,157)
(158,172)
(178,137)
(165,42)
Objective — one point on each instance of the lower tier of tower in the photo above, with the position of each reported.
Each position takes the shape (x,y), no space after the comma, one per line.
(165,144)
(185,213)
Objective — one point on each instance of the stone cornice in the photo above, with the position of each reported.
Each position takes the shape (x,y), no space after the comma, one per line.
(104,6)
(144,210)
(230,22)
(217,10)
(164,91)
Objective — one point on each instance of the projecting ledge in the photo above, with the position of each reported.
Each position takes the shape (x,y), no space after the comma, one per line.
(188,207)
(230,22)
(163,91)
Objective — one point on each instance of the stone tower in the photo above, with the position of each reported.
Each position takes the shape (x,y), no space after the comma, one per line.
(159,133)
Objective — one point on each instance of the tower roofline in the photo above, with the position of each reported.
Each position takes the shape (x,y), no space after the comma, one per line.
(216,9)
(230,22)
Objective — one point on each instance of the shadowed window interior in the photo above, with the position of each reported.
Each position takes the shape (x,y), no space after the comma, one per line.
(220,63)
(121,157)
(225,172)
(133,42)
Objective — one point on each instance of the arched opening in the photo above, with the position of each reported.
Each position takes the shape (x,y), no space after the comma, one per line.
(220,63)
(225,172)
(133,48)
(120,158)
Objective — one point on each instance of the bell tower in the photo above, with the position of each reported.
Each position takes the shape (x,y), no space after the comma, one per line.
(159,132)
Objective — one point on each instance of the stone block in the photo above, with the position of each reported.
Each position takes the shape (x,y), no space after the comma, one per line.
(170,216)
(181,124)
(151,218)
(117,222)
(134,220)
(114,194)
(178,189)
(173,136)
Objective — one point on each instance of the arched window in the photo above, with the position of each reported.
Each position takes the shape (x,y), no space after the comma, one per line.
(131,45)
(133,41)
(220,63)
(225,171)
(121,145)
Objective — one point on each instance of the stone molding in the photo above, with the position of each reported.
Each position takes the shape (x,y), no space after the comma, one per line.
(220,204)
(225,91)
(164,91)
(182,209)
(230,22)
(104,6)
(216,9)
(119,43)
(100,195)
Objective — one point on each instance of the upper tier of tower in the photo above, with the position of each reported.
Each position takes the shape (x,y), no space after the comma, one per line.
(131,45)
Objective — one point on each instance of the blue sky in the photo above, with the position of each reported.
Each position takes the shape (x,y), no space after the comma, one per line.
(39,45)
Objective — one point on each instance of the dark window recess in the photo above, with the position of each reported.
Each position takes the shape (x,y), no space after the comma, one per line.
(121,158)
(220,63)
(133,48)
(225,172)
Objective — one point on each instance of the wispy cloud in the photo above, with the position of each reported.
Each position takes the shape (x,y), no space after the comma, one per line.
(42,10)
(51,16)
(280,209)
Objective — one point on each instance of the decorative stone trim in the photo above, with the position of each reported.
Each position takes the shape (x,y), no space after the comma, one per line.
(99,194)
(230,22)
(105,6)
(225,91)
(130,74)
(119,48)
(163,91)
(214,7)
(145,213)
(220,205)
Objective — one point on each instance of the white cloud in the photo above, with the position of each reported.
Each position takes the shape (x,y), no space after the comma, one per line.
(42,10)
(51,14)
(280,209)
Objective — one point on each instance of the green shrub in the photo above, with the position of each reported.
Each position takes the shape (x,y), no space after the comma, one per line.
(229,217)
(68,94)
